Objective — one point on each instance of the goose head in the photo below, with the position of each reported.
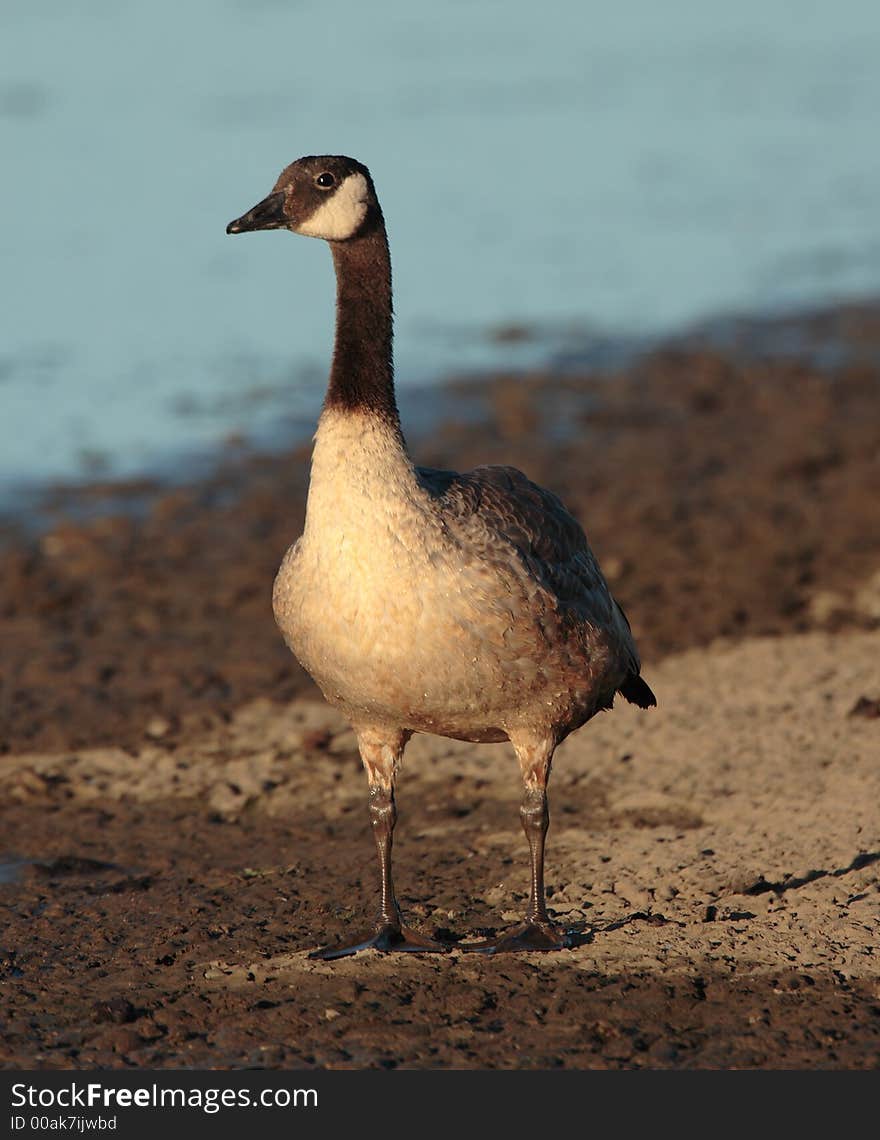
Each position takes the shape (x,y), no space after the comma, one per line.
(328,197)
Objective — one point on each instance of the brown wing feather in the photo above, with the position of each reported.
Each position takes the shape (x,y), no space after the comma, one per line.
(500,506)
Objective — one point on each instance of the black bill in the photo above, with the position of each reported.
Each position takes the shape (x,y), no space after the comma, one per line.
(266,215)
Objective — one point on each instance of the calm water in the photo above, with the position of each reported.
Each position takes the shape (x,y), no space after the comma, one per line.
(580,166)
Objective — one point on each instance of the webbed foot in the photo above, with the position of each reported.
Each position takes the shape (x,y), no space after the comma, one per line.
(388,938)
(530,937)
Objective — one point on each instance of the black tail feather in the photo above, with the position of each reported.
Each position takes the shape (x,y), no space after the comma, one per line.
(638,692)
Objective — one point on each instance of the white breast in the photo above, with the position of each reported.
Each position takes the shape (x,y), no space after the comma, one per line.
(347,598)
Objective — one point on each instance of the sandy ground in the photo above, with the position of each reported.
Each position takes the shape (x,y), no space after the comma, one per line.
(721,857)
(183,819)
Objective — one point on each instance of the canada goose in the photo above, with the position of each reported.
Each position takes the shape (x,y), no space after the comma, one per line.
(465,605)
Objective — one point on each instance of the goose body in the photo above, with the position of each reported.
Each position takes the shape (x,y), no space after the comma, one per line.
(466,605)
(438,602)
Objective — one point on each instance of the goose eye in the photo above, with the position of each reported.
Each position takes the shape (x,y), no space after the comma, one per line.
(325,180)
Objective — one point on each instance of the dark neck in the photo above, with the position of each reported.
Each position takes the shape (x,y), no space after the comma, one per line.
(362,375)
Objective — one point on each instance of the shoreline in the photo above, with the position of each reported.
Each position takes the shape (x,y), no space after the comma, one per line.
(726,495)
(828,336)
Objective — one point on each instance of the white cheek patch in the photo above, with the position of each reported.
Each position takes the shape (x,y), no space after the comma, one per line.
(342,214)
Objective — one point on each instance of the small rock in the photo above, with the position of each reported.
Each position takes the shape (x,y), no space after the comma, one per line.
(824,605)
(157,728)
(118,1011)
(866,706)
(638,898)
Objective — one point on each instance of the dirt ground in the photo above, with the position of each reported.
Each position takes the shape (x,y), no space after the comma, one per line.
(183,818)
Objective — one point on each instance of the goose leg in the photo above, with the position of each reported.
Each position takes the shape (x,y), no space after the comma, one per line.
(381,759)
(537,932)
